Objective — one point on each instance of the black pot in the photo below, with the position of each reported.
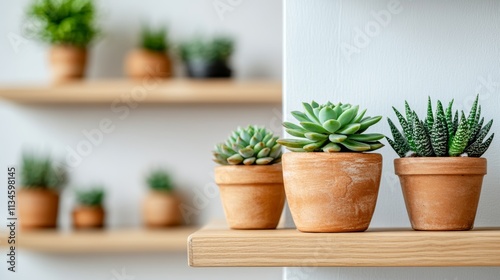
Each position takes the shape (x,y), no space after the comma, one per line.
(207,69)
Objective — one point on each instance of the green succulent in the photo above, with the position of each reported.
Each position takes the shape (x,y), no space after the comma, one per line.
(217,49)
(154,40)
(331,128)
(41,172)
(69,22)
(160,180)
(92,197)
(441,134)
(251,145)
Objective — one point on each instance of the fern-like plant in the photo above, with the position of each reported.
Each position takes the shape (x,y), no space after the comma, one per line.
(331,128)
(41,172)
(154,39)
(90,198)
(248,146)
(68,22)
(441,134)
(160,180)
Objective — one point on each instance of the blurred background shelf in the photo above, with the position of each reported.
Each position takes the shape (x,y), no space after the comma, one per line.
(177,91)
(218,246)
(105,241)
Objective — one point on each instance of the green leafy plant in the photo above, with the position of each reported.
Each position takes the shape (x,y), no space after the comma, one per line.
(91,198)
(331,128)
(441,134)
(70,22)
(160,180)
(154,39)
(251,145)
(41,172)
(217,49)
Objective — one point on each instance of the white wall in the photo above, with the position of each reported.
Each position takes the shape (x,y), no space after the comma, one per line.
(446,49)
(180,137)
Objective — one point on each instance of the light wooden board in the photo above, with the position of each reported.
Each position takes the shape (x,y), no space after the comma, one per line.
(218,91)
(98,241)
(216,246)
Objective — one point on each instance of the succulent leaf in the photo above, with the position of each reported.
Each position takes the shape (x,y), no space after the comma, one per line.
(461,138)
(429,121)
(332,125)
(301,117)
(331,148)
(337,138)
(421,138)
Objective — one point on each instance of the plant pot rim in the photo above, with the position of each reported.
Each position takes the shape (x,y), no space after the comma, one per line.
(337,154)
(440,166)
(37,189)
(249,174)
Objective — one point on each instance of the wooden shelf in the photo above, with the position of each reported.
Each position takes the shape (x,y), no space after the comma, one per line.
(110,241)
(217,246)
(177,91)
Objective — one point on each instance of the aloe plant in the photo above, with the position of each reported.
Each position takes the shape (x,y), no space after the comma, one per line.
(92,197)
(251,145)
(160,180)
(41,172)
(442,133)
(331,128)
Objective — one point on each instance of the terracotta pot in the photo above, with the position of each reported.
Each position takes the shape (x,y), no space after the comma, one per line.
(143,63)
(332,192)
(68,62)
(88,217)
(161,209)
(37,208)
(441,193)
(252,196)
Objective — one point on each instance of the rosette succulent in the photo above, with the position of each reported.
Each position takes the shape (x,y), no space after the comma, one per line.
(441,134)
(251,145)
(331,128)
(160,180)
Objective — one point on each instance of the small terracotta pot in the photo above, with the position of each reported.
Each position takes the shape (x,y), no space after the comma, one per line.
(161,209)
(88,217)
(441,193)
(68,62)
(252,196)
(143,63)
(332,192)
(38,208)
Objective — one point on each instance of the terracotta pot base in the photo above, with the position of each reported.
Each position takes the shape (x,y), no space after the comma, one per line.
(38,208)
(68,62)
(140,64)
(85,217)
(161,209)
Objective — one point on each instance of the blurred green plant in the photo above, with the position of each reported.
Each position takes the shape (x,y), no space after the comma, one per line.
(154,39)
(92,197)
(217,49)
(66,22)
(160,180)
(41,172)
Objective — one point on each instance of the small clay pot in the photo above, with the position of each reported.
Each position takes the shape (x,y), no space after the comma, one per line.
(37,208)
(85,217)
(142,63)
(252,196)
(441,193)
(67,62)
(161,209)
(332,192)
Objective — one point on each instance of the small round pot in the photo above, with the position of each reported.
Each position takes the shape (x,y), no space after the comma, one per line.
(197,68)
(38,208)
(332,192)
(85,217)
(68,62)
(142,63)
(161,209)
(252,196)
(441,193)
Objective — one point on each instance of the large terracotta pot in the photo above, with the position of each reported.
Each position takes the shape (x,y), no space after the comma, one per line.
(38,208)
(441,193)
(88,217)
(252,196)
(161,209)
(67,62)
(143,63)
(332,192)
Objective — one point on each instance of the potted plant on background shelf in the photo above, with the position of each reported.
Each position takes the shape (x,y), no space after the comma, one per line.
(250,179)
(69,26)
(161,207)
(38,197)
(89,212)
(331,184)
(441,170)
(207,58)
(151,58)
